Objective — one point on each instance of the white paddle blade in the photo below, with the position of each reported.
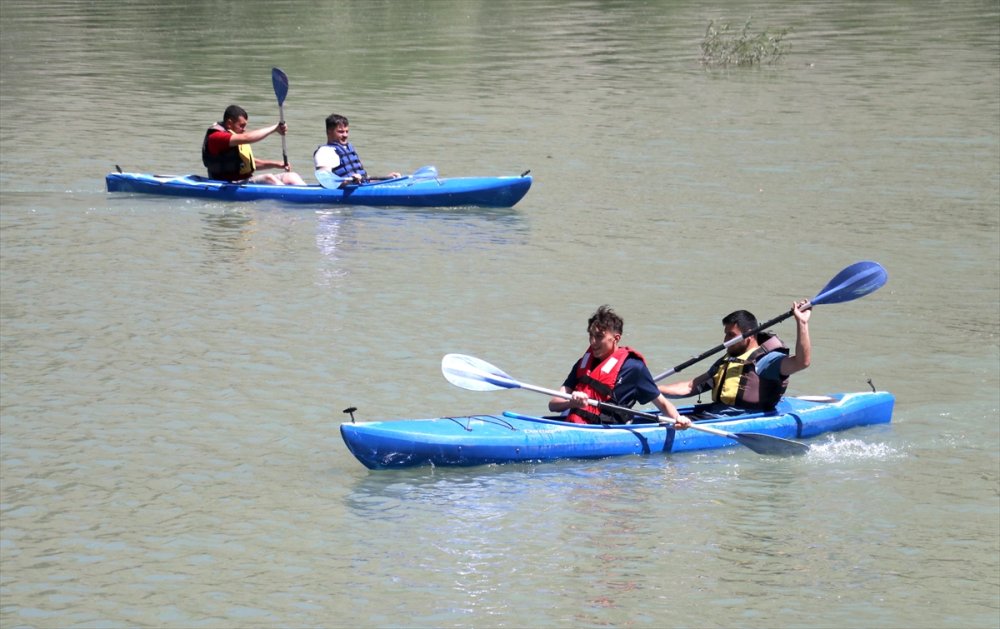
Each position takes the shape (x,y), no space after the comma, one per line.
(469,372)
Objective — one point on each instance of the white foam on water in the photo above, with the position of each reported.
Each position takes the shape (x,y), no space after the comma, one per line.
(852,449)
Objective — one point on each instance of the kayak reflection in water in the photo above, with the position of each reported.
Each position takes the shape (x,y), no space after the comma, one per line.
(610,373)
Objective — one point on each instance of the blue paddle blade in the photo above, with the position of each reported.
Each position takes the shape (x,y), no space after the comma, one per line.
(328,179)
(857,280)
(280,82)
(474,374)
(425,172)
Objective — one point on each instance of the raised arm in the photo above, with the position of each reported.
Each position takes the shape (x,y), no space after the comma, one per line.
(803,346)
(249,137)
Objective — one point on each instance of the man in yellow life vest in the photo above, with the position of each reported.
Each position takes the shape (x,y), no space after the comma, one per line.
(753,375)
(227,155)
(610,373)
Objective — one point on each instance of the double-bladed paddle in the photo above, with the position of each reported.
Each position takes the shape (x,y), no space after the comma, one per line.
(328,180)
(469,372)
(280,81)
(854,282)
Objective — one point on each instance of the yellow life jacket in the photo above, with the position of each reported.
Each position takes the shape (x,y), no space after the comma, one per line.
(735,381)
(246,160)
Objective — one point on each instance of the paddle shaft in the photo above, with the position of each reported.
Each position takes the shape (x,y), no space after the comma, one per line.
(330,181)
(722,346)
(614,407)
(503,380)
(474,374)
(659,419)
(854,281)
(284,142)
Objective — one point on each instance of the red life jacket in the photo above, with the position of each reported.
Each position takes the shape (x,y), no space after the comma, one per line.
(598,382)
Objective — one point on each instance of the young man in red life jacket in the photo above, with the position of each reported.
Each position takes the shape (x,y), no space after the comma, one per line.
(613,374)
(227,155)
(753,375)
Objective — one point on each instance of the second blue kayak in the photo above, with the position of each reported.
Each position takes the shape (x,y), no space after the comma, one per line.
(403,191)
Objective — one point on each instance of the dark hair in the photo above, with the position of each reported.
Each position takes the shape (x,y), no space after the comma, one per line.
(336,119)
(233,112)
(743,319)
(605,320)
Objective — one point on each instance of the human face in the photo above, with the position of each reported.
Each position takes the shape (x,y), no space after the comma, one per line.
(731,332)
(602,343)
(338,134)
(237,126)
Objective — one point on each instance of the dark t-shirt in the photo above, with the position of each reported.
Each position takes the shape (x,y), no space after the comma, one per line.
(634,384)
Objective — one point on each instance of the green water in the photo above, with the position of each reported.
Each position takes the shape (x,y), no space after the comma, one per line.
(172,372)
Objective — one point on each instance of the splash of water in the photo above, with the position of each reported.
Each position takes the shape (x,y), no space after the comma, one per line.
(834,449)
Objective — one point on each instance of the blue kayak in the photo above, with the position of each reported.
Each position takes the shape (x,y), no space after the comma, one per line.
(405,191)
(512,437)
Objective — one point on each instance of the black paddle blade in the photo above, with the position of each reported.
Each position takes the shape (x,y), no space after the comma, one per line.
(769,445)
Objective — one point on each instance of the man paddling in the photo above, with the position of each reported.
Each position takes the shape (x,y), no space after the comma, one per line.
(609,373)
(227,155)
(753,375)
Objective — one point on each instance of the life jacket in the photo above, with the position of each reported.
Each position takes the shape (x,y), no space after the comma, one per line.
(598,382)
(233,164)
(349,161)
(735,381)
